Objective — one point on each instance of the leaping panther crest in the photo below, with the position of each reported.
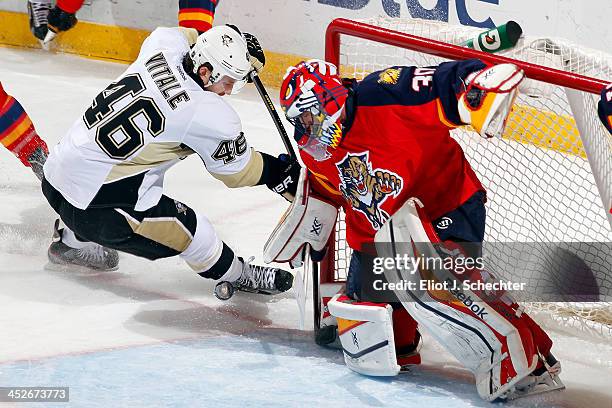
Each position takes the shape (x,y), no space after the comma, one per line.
(366,189)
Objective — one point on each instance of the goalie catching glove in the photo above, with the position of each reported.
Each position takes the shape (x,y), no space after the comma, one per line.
(488,98)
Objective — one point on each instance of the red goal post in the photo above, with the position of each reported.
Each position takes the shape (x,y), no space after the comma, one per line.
(591,160)
(341,26)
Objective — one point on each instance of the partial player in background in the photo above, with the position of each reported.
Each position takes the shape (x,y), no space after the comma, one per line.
(105,178)
(46,20)
(18,135)
(198,14)
(604,108)
(375,148)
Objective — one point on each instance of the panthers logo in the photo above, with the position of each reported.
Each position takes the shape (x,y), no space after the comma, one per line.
(389,76)
(366,189)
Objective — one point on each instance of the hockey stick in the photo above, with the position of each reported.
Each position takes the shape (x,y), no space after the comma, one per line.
(287,142)
(272,110)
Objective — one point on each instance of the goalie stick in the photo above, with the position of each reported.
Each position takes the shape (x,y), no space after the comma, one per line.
(316,304)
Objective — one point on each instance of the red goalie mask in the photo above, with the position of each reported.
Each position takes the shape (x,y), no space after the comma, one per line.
(312,97)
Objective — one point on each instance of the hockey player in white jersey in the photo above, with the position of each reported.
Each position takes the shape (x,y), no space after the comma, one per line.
(105,177)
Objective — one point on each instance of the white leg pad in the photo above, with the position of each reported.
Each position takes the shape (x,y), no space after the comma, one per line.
(471,340)
(366,334)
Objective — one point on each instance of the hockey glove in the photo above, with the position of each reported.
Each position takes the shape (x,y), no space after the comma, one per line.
(60,20)
(256,53)
(286,181)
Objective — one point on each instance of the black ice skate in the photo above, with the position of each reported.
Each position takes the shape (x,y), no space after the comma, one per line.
(256,279)
(38,11)
(89,255)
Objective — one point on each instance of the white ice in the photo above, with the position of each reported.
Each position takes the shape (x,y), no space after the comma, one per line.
(152,335)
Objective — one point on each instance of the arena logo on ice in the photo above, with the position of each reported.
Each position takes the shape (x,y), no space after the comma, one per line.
(366,189)
(439,12)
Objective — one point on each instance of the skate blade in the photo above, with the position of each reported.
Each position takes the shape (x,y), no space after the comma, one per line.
(71,268)
(46,43)
(550,383)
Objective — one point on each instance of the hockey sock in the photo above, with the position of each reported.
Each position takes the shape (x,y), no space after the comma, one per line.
(17,132)
(198,14)
(70,6)
(69,238)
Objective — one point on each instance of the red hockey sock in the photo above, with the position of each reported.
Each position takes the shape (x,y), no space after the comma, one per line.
(404,328)
(17,132)
(198,14)
(70,6)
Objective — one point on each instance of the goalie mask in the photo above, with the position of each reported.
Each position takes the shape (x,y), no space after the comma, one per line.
(313,97)
(225,50)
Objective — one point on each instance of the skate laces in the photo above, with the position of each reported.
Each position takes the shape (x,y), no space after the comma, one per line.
(92,252)
(259,277)
(40,12)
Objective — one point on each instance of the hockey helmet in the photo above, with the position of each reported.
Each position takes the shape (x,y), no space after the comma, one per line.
(225,50)
(313,97)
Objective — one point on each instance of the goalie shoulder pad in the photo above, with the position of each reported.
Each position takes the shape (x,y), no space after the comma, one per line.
(366,334)
(308,220)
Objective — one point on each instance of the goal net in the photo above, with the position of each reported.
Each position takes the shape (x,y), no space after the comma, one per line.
(548,180)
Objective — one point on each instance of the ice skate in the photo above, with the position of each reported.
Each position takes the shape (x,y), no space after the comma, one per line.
(256,279)
(66,250)
(38,12)
(544,378)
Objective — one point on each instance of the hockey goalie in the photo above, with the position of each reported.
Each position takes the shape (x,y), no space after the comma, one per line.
(381,149)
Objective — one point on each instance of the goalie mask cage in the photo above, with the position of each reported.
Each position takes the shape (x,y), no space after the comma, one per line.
(549,179)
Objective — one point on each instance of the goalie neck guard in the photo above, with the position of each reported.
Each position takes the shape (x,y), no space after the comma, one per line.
(313,97)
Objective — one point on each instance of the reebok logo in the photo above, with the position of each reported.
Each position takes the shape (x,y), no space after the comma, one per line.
(479,311)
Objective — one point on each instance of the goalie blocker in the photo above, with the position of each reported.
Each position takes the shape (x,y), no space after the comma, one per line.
(307,223)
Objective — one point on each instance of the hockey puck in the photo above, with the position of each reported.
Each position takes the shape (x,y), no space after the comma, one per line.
(224,290)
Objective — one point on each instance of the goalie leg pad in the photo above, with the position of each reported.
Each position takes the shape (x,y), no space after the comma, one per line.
(489,97)
(366,334)
(492,339)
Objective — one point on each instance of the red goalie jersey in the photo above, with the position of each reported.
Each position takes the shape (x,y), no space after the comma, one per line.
(395,145)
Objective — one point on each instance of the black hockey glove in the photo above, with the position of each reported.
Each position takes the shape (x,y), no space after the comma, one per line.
(257,58)
(281,175)
(256,53)
(59,20)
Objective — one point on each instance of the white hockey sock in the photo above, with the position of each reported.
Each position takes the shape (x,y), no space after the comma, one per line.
(71,240)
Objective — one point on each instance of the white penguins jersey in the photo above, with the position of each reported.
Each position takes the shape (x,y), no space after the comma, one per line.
(139,126)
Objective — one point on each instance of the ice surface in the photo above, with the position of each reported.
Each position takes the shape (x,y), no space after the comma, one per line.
(152,335)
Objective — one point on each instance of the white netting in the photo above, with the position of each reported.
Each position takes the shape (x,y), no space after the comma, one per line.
(541,186)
